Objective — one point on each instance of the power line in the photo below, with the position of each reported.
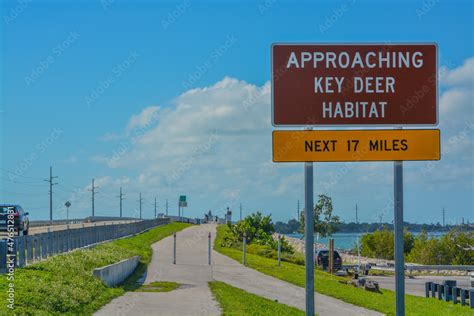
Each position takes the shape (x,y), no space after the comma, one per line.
(51,192)
(21,176)
(31,184)
(22,194)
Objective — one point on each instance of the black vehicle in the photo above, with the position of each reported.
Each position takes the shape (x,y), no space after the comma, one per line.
(322,259)
(14,215)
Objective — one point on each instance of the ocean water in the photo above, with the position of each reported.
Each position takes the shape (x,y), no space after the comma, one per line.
(347,241)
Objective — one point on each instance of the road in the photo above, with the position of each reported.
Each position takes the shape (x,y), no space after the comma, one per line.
(193,271)
(44,229)
(416,285)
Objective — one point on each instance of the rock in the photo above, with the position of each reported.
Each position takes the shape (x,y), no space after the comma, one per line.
(372,286)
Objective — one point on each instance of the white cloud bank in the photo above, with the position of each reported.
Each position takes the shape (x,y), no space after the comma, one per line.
(217,139)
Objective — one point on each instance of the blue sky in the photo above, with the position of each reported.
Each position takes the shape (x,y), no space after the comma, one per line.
(102,89)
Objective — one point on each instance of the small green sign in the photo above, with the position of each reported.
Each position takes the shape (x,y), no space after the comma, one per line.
(182,198)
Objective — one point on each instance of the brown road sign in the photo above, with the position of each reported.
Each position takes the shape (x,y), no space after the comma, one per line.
(352,84)
(356,145)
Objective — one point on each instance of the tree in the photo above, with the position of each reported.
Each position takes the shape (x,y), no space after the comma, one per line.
(380,244)
(325,223)
(287,228)
(255,226)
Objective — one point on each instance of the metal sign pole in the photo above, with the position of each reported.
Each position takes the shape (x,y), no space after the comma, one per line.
(174,248)
(309,237)
(279,249)
(209,248)
(398,222)
(244,250)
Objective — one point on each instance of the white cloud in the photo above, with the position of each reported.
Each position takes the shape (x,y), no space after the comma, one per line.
(144,118)
(456,102)
(463,75)
(216,141)
(456,106)
(109,137)
(71,159)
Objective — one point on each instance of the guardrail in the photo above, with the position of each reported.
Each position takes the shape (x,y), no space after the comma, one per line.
(184,219)
(90,219)
(24,250)
(411,268)
(56,222)
(440,267)
(448,291)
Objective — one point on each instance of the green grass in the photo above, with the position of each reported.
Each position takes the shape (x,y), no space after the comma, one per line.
(234,301)
(331,285)
(64,284)
(159,286)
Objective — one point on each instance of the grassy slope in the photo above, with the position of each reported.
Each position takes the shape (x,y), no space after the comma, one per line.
(64,284)
(159,286)
(234,301)
(329,285)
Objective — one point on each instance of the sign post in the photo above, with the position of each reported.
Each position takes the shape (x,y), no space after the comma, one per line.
(309,236)
(398,222)
(182,203)
(67,204)
(386,84)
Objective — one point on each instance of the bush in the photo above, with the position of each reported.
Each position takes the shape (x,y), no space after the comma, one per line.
(380,244)
(452,248)
(268,252)
(259,230)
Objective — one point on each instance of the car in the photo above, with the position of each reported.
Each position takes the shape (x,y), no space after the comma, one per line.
(322,259)
(14,214)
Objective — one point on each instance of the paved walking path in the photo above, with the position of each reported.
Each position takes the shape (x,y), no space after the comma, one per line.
(193,271)
(231,272)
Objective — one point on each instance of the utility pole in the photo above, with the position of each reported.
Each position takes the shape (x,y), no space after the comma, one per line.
(121,198)
(51,193)
(166,207)
(444,213)
(93,197)
(155,207)
(298,211)
(357,216)
(240,207)
(140,200)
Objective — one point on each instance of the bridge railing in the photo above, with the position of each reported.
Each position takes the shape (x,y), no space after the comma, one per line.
(24,250)
(90,219)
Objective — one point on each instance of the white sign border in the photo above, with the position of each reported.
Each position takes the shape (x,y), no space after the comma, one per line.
(436,124)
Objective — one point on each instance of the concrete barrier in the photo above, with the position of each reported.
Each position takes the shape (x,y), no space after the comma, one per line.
(116,273)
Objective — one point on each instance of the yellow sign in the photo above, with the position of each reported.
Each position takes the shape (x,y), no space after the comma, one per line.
(356,145)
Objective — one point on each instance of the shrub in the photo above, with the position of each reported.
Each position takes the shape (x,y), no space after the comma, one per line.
(380,244)
(452,248)
(259,230)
